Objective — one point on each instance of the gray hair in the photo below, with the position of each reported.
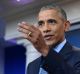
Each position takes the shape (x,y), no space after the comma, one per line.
(59,9)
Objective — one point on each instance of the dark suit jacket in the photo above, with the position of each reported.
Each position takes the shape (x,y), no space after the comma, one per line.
(65,62)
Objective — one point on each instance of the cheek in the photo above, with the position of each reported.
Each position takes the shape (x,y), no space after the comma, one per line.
(58,30)
(60,34)
(41,30)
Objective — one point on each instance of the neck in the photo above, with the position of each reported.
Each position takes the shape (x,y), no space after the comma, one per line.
(56,44)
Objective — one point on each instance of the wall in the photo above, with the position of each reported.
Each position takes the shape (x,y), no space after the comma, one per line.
(73,13)
(72,9)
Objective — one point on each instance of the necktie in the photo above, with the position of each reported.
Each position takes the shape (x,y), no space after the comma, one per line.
(42,71)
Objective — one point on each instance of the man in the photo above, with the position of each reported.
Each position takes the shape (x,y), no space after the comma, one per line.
(58,56)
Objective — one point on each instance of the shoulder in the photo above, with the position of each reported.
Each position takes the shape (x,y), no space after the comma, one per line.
(35,62)
(76,48)
(76,51)
(34,66)
(75,55)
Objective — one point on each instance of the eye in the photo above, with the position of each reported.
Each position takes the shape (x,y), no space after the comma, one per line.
(52,21)
(40,23)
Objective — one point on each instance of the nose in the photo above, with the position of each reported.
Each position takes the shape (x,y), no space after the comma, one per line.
(46,28)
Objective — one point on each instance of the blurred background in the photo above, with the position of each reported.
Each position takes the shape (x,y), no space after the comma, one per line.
(14,11)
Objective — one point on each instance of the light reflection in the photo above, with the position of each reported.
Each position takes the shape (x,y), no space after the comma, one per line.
(20,2)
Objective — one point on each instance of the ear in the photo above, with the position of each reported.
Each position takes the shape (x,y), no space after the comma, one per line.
(67,26)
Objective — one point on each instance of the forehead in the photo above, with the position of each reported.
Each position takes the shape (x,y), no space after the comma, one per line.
(51,13)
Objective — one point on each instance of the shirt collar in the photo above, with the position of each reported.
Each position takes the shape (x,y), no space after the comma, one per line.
(60,46)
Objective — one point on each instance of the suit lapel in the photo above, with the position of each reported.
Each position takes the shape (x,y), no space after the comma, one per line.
(66,51)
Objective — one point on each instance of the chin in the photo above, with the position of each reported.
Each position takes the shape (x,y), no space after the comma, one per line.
(50,43)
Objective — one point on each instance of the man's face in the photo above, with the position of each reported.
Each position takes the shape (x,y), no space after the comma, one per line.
(52,26)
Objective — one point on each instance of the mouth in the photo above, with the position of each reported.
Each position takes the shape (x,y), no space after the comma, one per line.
(48,37)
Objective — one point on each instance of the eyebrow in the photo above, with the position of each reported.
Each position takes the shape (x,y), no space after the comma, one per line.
(41,21)
(49,20)
(52,20)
